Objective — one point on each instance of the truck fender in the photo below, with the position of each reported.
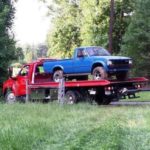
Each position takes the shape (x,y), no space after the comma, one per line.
(99,63)
(8,89)
(8,86)
(57,68)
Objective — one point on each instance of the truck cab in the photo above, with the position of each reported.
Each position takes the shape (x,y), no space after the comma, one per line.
(30,73)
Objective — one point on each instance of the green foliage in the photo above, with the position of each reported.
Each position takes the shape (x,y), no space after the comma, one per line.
(41,51)
(74,127)
(87,23)
(20,54)
(142,96)
(122,18)
(137,38)
(33,52)
(65,35)
(95,22)
(77,25)
(7,43)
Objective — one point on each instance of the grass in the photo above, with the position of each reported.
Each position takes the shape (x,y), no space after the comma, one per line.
(142,96)
(36,126)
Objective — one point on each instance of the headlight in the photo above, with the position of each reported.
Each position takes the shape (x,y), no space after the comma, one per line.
(109,63)
(130,62)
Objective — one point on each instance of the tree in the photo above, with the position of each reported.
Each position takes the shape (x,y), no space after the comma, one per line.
(41,51)
(122,17)
(66,31)
(34,52)
(95,21)
(20,54)
(137,38)
(30,52)
(7,43)
(81,22)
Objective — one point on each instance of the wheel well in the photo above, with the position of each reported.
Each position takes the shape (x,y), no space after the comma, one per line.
(6,90)
(57,68)
(96,65)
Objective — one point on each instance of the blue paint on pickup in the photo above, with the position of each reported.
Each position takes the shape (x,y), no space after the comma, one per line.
(84,60)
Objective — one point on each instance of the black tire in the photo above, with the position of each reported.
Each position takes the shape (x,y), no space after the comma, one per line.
(57,75)
(99,73)
(122,76)
(101,98)
(71,97)
(106,101)
(10,97)
(99,95)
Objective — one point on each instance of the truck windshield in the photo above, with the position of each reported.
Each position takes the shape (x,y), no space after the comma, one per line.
(97,51)
(24,71)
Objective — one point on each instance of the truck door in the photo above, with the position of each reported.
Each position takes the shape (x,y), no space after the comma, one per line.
(20,81)
(81,65)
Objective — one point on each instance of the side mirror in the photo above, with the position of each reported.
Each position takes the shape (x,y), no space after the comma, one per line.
(10,73)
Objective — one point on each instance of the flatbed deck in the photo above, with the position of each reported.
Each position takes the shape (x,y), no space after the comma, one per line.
(130,80)
(87,83)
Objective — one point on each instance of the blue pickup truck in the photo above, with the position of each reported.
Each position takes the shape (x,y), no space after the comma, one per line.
(93,60)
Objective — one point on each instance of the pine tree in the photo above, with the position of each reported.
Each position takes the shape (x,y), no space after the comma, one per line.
(7,43)
(137,38)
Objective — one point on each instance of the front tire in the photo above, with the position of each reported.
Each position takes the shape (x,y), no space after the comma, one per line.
(10,97)
(58,74)
(99,73)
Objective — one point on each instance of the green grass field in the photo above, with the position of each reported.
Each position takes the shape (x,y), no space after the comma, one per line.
(143,96)
(37,126)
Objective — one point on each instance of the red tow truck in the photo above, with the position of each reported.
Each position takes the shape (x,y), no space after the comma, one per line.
(38,85)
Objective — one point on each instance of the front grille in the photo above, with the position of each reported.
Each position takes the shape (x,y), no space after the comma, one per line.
(120,64)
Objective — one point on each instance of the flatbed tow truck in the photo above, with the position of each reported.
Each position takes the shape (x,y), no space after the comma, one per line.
(34,84)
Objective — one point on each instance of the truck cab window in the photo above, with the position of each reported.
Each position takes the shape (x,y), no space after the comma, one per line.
(39,70)
(81,53)
(24,71)
(97,51)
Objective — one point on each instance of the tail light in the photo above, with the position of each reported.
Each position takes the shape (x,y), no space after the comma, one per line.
(109,88)
(138,86)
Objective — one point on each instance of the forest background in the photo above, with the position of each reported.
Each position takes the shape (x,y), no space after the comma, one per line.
(82,23)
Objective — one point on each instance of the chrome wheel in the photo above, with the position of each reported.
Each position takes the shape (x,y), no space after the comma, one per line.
(10,97)
(58,74)
(70,97)
(99,73)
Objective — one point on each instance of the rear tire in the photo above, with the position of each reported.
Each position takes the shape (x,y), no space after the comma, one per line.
(101,100)
(99,95)
(99,73)
(57,75)
(106,101)
(71,97)
(10,97)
